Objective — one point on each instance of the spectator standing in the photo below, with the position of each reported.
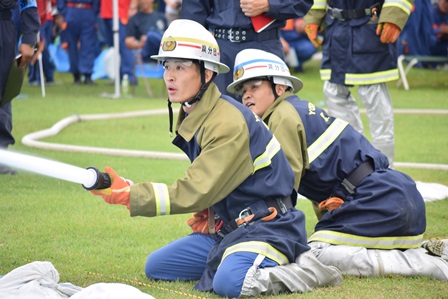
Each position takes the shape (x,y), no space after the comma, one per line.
(8,46)
(359,48)
(126,55)
(80,35)
(440,27)
(294,35)
(230,23)
(145,30)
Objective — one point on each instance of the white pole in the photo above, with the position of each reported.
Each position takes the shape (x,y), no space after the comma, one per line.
(41,70)
(115,30)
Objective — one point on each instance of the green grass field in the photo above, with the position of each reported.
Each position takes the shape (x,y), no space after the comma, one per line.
(88,241)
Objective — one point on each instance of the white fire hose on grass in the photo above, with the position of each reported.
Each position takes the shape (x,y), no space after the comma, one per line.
(32,139)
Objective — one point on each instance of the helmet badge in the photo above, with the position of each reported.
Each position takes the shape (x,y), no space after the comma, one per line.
(169,44)
(238,73)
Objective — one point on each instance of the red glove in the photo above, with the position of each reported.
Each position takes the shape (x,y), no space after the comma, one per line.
(118,192)
(311,31)
(389,32)
(199,222)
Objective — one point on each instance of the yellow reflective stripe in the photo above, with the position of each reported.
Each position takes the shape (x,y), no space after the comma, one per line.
(327,138)
(325,74)
(402,4)
(338,238)
(265,159)
(319,5)
(162,199)
(372,78)
(257,247)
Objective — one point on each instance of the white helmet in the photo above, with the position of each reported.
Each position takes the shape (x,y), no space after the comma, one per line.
(190,40)
(253,63)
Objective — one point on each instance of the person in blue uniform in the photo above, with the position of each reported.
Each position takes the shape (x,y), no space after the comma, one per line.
(81,36)
(30,24)
(297,41)
(45,34)
(359,48)
(440,27)
(375,216)
(230,23)
(127,58)
(238,171)
(145,29)
(417,36)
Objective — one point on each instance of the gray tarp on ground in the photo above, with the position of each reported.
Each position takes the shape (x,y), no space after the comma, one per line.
(40,280)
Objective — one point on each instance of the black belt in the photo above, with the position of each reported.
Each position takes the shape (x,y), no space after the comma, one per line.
(280,204)
(357,175)
(238,35)
(348,14)
(5,15)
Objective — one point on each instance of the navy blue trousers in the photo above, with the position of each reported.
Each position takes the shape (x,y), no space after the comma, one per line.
(185,259)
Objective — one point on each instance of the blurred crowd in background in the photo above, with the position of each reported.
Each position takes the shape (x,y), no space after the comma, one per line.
(77,36)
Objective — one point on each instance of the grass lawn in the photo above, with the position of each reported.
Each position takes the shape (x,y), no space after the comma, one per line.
(88,241)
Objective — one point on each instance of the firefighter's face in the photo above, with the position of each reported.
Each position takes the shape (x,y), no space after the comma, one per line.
(182,78)
(257,95)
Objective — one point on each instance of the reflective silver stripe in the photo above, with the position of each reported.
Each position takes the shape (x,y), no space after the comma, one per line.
(338,238)
(265,159)
(405,5)
(262,248)
(162,199)
(327,138)
(372,78)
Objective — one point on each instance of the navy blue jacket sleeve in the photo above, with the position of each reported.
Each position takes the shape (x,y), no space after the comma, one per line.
(30,21)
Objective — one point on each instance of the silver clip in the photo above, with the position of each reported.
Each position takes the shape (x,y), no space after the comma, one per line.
(244,213)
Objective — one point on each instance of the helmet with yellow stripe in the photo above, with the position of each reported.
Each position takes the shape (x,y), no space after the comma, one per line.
(188,39)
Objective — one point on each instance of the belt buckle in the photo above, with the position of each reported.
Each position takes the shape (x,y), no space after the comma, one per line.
(336,13)
(233,36)
(79,5)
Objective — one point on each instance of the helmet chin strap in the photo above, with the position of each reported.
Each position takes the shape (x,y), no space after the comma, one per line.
(195,99)
(273,87)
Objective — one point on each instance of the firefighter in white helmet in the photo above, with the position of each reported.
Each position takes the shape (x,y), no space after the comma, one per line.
(375,216)
(238,171)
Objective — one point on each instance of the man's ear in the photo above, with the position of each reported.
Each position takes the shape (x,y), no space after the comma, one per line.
(280,89)
(208,75)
